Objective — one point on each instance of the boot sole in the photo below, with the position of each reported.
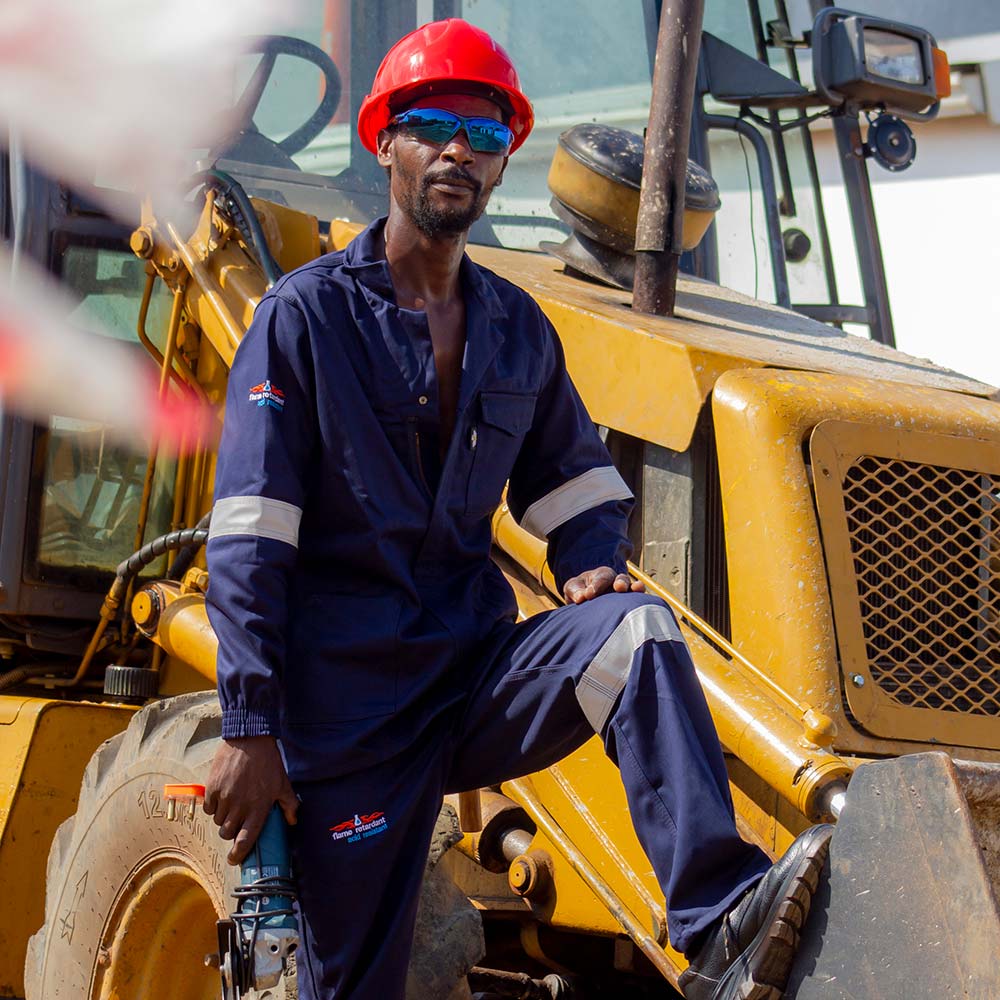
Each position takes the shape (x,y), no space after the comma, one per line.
(761,972)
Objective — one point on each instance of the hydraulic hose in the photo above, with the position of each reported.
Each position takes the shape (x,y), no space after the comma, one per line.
(11,678)
(127,570)
(186,555)
(152,551)
(244,217)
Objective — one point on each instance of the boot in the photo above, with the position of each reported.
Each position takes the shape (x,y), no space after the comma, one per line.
(747,954)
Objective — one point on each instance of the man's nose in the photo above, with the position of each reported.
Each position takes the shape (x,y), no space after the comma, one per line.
(457,149)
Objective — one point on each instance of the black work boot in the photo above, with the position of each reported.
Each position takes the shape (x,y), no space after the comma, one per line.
(748,952)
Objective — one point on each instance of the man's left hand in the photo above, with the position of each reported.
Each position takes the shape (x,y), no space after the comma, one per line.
(595,582)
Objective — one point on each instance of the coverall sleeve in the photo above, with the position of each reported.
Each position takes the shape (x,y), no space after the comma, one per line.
(563,487)
(267,438)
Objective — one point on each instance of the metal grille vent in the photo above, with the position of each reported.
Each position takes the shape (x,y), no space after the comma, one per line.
(926,547)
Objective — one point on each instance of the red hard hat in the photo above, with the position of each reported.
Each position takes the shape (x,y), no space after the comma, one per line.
(447,53)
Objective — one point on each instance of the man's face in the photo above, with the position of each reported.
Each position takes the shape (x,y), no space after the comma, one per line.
(442,188)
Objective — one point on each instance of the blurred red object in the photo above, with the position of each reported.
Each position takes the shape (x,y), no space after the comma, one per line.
(123,90)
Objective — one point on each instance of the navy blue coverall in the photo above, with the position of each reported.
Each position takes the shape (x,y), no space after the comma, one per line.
(361,620)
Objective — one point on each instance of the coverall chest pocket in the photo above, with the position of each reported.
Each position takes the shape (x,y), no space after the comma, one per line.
(495,438)
(344,660)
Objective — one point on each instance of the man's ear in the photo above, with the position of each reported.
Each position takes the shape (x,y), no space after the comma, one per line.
(384,148)
(506,160)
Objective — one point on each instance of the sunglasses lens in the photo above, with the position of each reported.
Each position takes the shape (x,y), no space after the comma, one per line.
(430,124)
(488,136)
(437,126)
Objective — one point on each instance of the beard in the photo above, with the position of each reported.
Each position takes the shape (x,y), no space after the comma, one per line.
(441,220)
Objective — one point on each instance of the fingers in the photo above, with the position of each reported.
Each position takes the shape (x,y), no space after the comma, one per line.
(583,590)
(602,580)
(625,584)
(228,817)
(211,801)
(289,803)
(591,584)
(230,823)
(246,836)
(246,779)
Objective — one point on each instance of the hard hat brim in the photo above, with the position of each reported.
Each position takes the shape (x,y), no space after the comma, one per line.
(377,110)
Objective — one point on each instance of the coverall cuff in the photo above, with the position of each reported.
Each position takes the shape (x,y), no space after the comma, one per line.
(239,722)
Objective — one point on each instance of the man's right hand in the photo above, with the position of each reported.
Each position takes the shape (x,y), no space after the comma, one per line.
(247,778)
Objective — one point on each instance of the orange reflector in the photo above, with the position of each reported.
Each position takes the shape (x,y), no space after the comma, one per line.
(183,791)
(942,73)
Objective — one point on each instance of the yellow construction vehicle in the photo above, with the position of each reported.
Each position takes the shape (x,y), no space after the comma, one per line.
(821,511)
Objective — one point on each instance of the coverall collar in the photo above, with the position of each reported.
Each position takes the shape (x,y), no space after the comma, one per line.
(365,260)
(364,257)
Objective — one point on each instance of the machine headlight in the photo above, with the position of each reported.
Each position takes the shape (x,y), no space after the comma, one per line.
(893,56)
(875,64)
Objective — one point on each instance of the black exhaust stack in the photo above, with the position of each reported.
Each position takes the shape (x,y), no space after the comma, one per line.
(661,200)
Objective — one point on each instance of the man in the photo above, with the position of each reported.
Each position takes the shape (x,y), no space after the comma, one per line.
(377,406)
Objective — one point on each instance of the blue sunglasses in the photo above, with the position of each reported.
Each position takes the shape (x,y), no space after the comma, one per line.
(438,126)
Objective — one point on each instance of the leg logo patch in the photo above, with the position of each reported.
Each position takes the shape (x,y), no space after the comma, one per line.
(360,828)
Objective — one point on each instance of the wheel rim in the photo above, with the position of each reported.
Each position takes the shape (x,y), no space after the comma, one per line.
(160,931)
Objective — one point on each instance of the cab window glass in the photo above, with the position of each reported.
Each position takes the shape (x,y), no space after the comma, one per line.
(90,484)
(602,75)
(296,89)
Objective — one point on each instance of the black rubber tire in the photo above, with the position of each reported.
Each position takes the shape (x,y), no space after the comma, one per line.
(99,856)
(119,829)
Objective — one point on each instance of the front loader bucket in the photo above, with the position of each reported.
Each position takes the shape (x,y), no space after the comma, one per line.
(909,909)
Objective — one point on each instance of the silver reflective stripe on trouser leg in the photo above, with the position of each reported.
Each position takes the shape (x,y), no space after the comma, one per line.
(604,680)
(588,490)
(259,517)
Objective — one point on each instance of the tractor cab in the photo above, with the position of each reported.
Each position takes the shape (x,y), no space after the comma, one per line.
(76,504)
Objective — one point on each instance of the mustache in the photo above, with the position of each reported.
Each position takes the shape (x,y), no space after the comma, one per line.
(454,174)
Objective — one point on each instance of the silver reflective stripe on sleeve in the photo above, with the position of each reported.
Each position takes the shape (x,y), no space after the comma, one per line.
(591,489)
(604,680)
(257,516)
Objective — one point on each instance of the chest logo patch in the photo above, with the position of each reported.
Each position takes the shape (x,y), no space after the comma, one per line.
(268,394)
(361,827)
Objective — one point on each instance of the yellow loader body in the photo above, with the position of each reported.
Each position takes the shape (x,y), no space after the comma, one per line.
(802,695)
